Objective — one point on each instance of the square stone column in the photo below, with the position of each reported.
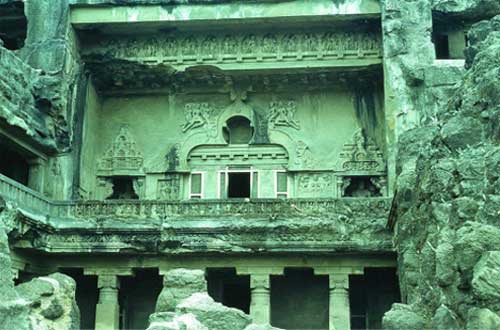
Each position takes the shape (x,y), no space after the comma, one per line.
(340,314)
(107,312)
(260,305)
(36,174)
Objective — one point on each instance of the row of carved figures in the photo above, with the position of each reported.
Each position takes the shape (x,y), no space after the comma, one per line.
(213,45)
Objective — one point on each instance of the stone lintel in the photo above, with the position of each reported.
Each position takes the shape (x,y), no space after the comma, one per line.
(352,270)
(195,14)
(260,271)
(105,273)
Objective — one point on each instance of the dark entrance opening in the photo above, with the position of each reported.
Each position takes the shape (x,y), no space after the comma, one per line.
(228,288)
(87,295)
(14,25)
(13,165)
(361,186)
(138,295)
(442,46)
(123,188)
(300,300)
(371,295)
(238,185)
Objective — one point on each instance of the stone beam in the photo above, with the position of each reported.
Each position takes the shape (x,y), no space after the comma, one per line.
(250,12)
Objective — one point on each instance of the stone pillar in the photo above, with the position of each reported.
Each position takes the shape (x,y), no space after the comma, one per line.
(36,174)
(260,305)
(107,309)
(340,315)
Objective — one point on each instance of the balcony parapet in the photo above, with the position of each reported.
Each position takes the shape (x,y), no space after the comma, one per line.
(201,226)
(341,208)
(344,209)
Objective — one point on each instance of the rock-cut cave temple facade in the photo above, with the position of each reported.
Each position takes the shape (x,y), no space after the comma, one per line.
(253,140)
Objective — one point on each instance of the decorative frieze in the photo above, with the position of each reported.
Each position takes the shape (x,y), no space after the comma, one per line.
(149,209)
(238,48)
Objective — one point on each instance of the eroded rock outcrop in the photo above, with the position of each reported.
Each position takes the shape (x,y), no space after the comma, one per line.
(44,303)
(446,205)
(185,304)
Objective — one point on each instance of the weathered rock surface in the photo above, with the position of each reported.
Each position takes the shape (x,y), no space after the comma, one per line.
(184,304)
(178,285)
(446,206)
(18,85)
(212,314)
(44,303)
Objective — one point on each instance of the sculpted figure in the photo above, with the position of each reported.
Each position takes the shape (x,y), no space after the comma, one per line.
(209,46)
(269,44)
(249,44)
(282,114)
(197,115)
(290,43)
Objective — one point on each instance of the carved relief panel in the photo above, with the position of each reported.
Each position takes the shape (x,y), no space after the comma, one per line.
(315,184)
(169,187)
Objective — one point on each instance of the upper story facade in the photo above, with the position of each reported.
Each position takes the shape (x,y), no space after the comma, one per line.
(156,110)
(261,100)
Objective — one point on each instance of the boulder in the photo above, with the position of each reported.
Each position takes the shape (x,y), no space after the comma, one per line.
(175,322)
(213,314)
(482,319)
(445,319)
(486,278)
(179,284)
(401,316)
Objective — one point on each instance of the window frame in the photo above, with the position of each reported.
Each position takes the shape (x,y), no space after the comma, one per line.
(201,194)
(228,170)
(279,194)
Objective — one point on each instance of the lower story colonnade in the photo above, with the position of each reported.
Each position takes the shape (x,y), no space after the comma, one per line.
(289,295)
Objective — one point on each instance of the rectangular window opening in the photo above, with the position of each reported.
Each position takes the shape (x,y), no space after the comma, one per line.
(14,165)
(196,186)
(281,184)
(238,185)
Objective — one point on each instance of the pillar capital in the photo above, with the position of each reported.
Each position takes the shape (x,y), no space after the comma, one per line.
(108,281)
(259,281)
(339,282)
